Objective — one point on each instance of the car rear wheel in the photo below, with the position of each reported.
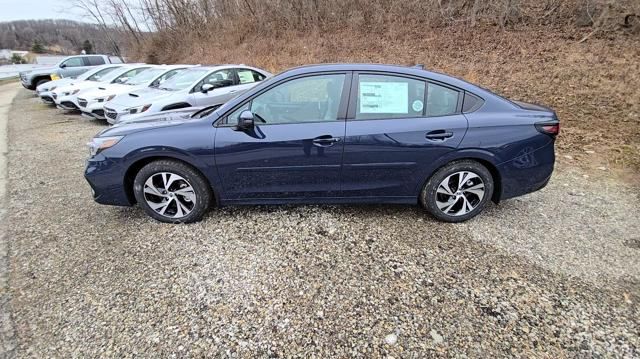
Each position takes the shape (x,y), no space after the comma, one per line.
(172,191)
(458,191)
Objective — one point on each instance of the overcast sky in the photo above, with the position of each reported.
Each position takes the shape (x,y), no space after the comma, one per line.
(38,9)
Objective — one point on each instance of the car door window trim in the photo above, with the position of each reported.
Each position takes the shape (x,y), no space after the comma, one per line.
(342,108)
(351,114)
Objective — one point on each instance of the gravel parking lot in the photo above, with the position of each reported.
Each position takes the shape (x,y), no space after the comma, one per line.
(552,274)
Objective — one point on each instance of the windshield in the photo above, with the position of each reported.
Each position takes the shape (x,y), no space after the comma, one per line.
(100,74)
(144,77)
(182,80)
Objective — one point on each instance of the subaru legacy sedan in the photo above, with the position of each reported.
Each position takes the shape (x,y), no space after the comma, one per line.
(341,133)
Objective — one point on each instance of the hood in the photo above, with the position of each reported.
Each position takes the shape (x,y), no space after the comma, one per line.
(141,97)
(180,115)
(105,90)
(41,70)
(55,83)
(133,127)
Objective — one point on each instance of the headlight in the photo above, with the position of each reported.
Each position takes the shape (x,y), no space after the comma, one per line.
(139,109)
(99,144)
(53,88)
(105,99)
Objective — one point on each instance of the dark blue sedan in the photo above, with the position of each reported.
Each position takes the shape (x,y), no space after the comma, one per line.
(344,133)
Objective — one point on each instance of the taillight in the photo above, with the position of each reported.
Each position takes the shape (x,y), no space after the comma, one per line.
(549,128)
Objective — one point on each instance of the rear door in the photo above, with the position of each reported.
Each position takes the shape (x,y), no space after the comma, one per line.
(295,149)
(223,82)
(397,127)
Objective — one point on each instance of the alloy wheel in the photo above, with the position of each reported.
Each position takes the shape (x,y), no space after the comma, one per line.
(460,193)
(170,195)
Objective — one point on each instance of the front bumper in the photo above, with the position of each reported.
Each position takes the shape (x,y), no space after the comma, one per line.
(68,102)
(106,178)
(91,108)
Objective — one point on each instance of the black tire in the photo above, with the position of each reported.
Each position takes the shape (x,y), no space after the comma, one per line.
(429,194)
(200,185)
(41,81)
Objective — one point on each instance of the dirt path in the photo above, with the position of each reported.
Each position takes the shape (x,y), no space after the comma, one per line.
(7,343)
(552,274)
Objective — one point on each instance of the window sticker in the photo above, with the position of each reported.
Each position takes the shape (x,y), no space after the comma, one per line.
(246,77)
(384,97)
(417,106)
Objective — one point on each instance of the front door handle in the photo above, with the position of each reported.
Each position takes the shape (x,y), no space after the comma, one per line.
(439,135)
(325,141)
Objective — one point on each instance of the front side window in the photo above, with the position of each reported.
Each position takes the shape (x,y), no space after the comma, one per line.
(384,96)
(441,101)
(247,76)
(307,99)
(218,79)
(74,62)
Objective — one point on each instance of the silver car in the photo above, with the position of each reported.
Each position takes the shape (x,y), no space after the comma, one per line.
(197,86)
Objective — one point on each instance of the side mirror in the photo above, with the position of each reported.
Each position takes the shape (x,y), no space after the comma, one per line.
(62,66)
(207,87)
(245,120)
(123,80)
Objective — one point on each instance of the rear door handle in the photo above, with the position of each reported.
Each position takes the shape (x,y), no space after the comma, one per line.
(439,135)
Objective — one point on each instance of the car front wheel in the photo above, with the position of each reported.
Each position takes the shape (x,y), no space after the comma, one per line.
(172,191)
(458,191)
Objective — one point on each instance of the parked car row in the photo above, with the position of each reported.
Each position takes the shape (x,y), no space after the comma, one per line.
(120,93)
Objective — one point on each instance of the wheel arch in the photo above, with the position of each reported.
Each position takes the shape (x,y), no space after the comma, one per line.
(35,79)
(482,157)
(138,164)
(176,106)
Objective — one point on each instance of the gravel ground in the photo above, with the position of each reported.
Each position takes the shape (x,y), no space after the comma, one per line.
(553,274)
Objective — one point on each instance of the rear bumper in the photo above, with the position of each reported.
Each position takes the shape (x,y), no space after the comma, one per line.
(529,172)
(106,180)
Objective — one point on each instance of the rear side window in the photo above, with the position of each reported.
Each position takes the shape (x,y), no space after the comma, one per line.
(94,60)
(441,101)
(247,76)
(384,96)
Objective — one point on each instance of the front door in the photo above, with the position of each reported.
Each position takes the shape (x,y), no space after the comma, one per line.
(223,82)
(393,137)
(295,147)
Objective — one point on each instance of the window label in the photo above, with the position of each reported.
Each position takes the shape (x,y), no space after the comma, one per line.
(384,97)
(245,77)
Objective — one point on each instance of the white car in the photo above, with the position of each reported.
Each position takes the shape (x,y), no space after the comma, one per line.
(95,98)
(44,91)
(196,86)
(66,97)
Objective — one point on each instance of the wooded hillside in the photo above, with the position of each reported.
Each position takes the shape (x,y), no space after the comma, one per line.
(53,36)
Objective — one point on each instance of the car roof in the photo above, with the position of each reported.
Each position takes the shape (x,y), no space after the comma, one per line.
(417,71)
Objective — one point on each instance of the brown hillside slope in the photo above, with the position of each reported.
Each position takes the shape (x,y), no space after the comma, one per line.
(593,85)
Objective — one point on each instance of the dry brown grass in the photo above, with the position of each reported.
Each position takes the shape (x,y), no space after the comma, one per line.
(592,85)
